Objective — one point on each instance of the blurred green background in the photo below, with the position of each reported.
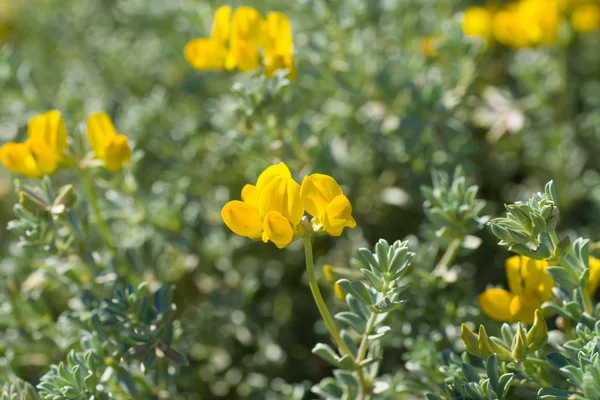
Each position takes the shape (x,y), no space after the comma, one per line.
(368,107)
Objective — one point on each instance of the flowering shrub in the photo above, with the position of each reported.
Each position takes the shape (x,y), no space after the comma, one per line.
(370,257)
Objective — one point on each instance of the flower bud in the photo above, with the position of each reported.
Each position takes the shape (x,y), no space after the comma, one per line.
(538,334)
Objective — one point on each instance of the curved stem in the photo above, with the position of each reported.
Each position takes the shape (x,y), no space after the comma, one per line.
(448,256)
(314,287)
(104,232)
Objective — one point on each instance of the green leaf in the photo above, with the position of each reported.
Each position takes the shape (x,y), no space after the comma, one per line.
(358,290)
(353,320)
(562,278)
(327,353)
(470,373)
(504,384)
(553,394)
(491,368)
(376,281)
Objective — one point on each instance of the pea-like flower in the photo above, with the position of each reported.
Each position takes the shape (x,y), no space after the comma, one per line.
(42,152)
(236,41)
(210,53)
(110,147)
(271,210)
(246,38)
(278,45)
(530,285)
(325,201)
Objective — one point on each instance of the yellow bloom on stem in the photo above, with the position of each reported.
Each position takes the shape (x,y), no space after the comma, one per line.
(271,210)
(530,285)
(43,150)
(210,53)
(246,38)
(108,145)
(586,17)
(477,21)
(323,199)
(278,45)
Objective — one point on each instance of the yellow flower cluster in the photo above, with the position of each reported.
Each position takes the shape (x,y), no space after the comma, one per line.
(272,210)
(44,150)
(241,39)
(526,23)
(530,286)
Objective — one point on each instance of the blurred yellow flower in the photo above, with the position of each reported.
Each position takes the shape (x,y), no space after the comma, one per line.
(278,45)
(586,17)
(271,210)
(108,145)
(43,150)
(246,38)
(210,53)
(236,41)
(324,200)
(477,21)
(530,286)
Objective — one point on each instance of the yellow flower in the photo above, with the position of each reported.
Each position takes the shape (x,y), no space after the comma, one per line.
(586,18)
(530,286)
(210,53)
(43,150)
(270,210)
(323,199)
(594,280)
(246,38)
(477,21)
(109,146)
(541,20)
(278,45)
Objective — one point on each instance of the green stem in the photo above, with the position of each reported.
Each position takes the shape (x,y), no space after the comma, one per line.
(448,256)
(362,352)
(314,287)
(93,199)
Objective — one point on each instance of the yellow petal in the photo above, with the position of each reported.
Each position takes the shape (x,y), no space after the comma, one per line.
(282,195)
(221,25)
(49,128)
(100,132)
(338,215)
(245,39)
(271,172)
(17,158)
(277,229)
(317,192)
(46,157)
(117,153)
(275,62)
(243,55)
(495,303)
(204,54)
(594,280)
(249,194)
(477,21)
(242,219)
(522,308)
(536,280)
(278,38)
(247,25)
(514,266)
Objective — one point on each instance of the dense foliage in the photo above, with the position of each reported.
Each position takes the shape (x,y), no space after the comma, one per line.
(121,278)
